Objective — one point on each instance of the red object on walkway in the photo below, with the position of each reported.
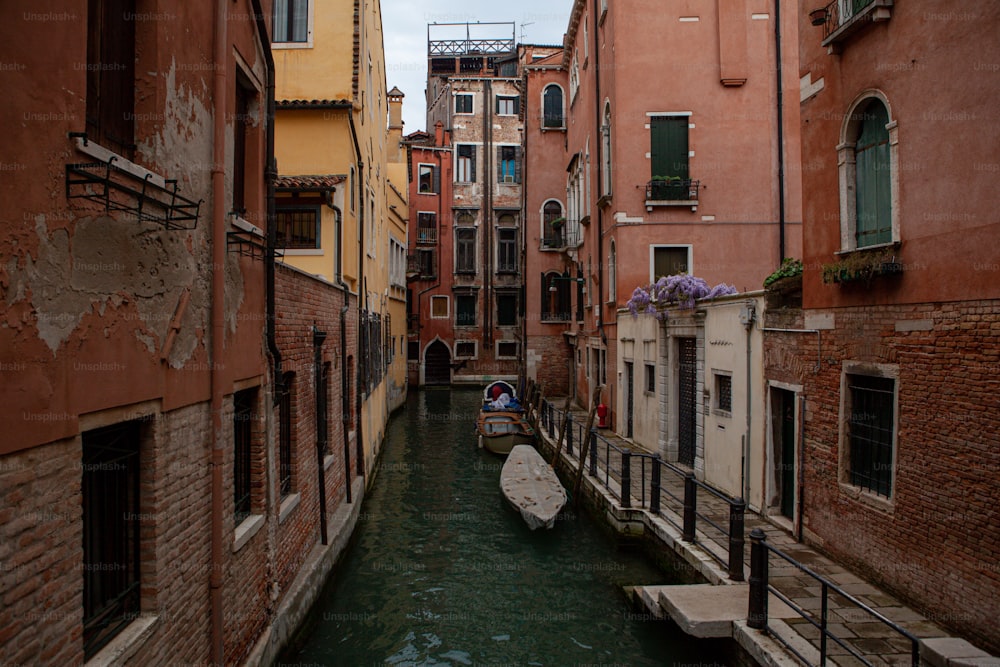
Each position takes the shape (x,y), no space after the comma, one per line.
(602,416)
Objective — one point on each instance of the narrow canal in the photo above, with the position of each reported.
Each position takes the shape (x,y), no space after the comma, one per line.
(441,572)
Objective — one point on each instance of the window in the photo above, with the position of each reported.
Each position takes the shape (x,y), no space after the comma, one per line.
(871,431)
(650,378)
(465,250)
(285,422)
(669,261)
(439,307)
(553,225)
(465,310)
(506,349)
(427,227)
(555,298)
(668,146)
(291,21)
(465,349)
(242,444)
(463,103)
(574,77)
(508,106)
(552,107)
(297,227)
(111,74)
(426,266)
(606,149)
(508,164)
(111,511)
(428,179)
(413,351)
(506,309)
(466,171)
(241,131)
(612,274)
(724,392)
(872,176)
(506,250)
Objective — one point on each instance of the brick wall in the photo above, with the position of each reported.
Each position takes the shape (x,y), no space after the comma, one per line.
(935,542)
(552,364)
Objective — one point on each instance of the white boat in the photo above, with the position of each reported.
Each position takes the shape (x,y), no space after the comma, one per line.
(530,485)
(501,423)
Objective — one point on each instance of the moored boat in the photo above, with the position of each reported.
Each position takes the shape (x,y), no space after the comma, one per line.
(530,485)
(502,424)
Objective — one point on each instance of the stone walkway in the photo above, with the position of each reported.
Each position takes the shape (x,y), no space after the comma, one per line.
(855,626)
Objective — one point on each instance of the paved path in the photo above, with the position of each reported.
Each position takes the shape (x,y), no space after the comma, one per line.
(875,640)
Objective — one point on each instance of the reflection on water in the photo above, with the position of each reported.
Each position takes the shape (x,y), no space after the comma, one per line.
(442,572)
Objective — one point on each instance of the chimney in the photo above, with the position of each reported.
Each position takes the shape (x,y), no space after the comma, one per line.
(439,133)
(395,97)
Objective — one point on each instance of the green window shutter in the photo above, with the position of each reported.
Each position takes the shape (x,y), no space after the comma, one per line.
(517,164)
(669,146)
(872,178)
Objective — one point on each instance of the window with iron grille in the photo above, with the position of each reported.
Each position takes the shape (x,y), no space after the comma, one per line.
(465,349)
(463,103)
(285,422)
(111,74)
(651,378)
(871,431)
(465,310)
(465,250)
(465,171)
(243,403)
(297,227)
(723,392)
(111,512)
(507,349)
(506,250)
(291,21)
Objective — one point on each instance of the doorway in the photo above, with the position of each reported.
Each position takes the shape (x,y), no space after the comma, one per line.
(783,444)
(437,364)
(687,391)
(629,397)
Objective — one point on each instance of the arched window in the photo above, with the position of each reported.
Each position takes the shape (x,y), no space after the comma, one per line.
(869,180)
(553,225)
(606,149)
(552,107)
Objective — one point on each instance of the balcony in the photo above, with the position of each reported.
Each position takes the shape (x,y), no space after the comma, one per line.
(427,235)
(421,266)
(672,192)
(844,18)
(558,238)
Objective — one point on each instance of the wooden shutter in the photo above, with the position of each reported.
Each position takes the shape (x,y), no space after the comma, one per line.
(873,195)
(669,146)
(436,177)
(472,161)
(517,164)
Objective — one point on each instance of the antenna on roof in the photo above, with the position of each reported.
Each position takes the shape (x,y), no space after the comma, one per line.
(522,29)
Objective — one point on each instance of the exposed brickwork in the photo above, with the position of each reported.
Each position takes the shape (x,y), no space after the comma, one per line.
(935,542)
(553,357)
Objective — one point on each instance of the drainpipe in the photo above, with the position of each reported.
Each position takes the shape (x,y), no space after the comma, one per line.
(345,400)
(220,85)
(319,337)
(747,316)
(487,213)
(600,189)
(781,133)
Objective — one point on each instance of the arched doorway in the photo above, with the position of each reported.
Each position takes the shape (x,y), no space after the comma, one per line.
(437,364)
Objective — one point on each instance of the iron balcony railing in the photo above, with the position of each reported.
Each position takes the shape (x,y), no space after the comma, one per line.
(672,190)
(841,15)
(427,235)
(657,486)
(563,236)
(461,47)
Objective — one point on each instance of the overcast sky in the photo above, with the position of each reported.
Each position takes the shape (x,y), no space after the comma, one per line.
(405,25)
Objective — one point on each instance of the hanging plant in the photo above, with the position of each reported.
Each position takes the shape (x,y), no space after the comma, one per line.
(790,268)
(680,290)
(863,266)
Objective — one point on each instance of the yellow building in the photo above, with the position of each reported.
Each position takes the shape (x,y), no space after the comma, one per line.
(341,206)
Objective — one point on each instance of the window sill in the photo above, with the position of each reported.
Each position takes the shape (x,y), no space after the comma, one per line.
(651,203)
(288,505)
(554,129)
(126,643)
(281,46)
(246,530)
(868,498)
(722,413)
(877,246)
(302,252)
(102,154)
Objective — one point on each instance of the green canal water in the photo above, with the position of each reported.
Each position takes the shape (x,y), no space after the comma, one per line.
(440,571)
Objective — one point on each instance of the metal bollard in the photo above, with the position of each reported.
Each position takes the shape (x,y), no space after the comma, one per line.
(757,611)
(737,511)
(654,486)
(552,423)
(690,507)
(626,479)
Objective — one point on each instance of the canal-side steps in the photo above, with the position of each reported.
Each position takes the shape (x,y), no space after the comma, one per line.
(816,611)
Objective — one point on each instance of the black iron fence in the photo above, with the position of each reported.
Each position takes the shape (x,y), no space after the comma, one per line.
(757,616)
(646,481)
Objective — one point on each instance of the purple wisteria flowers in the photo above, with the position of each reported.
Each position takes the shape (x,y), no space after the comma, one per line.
(680,290)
